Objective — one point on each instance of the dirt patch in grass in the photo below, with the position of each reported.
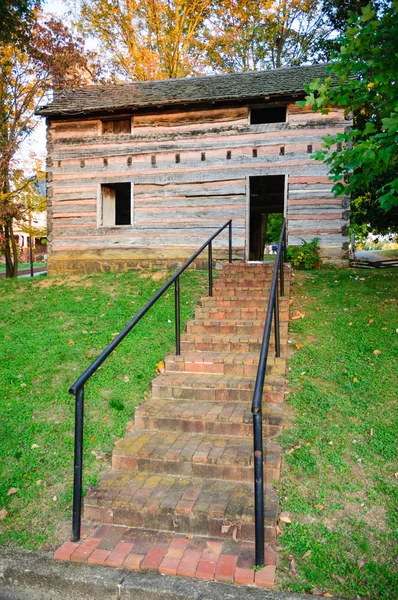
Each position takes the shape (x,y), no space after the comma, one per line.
(156,276)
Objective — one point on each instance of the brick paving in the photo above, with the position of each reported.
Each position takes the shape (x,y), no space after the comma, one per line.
(179,497)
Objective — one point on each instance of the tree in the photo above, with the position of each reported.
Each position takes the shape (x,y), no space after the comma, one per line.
(147,39)
(52,59)
(16,18)
(257,34)
(364,80)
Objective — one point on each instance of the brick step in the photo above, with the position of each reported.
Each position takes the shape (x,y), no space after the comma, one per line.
(260,293)
(239,313)
(193,455)
(220,509)
(253,275)
(242,267)
(215,387)
(247,302)
(226,326)
(227,343)
(215,418)
(227,363)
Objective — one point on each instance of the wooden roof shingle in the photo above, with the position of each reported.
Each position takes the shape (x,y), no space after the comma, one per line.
(210,88)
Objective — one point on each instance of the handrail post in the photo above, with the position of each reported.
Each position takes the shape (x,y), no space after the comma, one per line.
(177,315)
(282,275)
(210,266)
(276,324)
(258,486)
(78,465)
(230,242)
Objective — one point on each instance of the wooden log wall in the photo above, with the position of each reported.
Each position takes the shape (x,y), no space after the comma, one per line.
(189,169)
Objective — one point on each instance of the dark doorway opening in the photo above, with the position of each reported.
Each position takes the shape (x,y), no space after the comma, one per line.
(267,198)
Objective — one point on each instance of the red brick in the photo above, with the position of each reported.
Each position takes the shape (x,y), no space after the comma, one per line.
(244,576)
(206,569)
(98,557)
(83,551)
(65,551)
(118,554)
(226,568)
(266,577)
(169,565)
(177,548)
(133,562)
(153,559)
(189,563)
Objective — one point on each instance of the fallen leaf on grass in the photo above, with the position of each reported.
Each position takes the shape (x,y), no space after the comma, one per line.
(298,346)
(376,352)
(319,507)
(3,514)
(293,568)
(327,595)
(12,491)
(34,446)
(361,563)
(105,418)
(160,367)
(71,343)
(339,579)
(285,518)
(355,379)
(307,554)
(55,498)
(297,315)
(349,324)
(126,378)
(371,321)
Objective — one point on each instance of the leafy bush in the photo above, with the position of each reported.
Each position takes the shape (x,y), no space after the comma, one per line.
(306,256)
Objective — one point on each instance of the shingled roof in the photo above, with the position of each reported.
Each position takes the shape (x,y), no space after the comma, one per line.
(211,88)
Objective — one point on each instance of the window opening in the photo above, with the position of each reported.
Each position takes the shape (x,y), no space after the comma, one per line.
(116,126)
(116,204)
(267,198)
(270,114)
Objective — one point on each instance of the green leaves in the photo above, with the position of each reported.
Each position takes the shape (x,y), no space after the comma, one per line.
(365,70)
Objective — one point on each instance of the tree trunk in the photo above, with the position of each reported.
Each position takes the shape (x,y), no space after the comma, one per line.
(11,251)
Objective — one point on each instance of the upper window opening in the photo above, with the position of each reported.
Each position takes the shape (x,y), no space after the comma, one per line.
(116,126)
(116,204)
(272,114)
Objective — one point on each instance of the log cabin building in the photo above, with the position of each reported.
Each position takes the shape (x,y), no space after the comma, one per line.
(141,174)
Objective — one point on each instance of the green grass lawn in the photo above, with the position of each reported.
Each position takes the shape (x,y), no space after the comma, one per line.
(23,266)
(339,484)
(50,331)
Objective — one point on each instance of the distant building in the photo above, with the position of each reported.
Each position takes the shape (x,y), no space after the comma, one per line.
(141,174)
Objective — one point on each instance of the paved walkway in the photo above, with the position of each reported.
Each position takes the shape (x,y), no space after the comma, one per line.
(179,498)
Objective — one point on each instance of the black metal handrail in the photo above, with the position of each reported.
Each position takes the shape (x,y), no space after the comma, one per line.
(257,405)
(77,389)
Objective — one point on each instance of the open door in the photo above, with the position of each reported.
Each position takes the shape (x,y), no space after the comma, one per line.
(266,209)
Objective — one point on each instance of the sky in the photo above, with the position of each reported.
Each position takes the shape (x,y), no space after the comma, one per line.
(36,142)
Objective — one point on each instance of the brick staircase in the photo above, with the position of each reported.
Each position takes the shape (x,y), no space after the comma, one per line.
(179,497)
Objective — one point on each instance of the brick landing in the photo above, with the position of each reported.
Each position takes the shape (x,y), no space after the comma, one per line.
(179,497)
(146,551)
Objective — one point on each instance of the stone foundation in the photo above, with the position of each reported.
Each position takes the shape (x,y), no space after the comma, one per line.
(75,263)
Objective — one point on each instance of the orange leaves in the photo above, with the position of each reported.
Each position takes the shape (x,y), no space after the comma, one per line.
(298,346)
(160,367)
(298,315)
